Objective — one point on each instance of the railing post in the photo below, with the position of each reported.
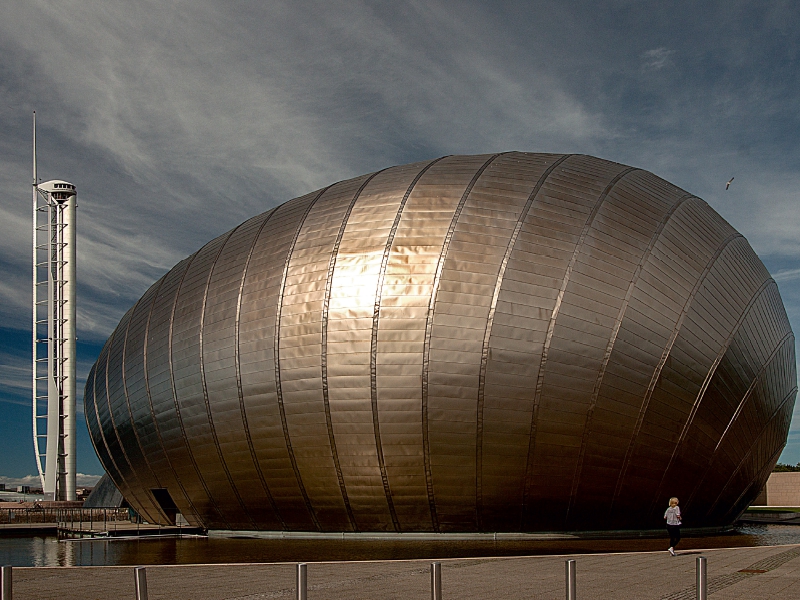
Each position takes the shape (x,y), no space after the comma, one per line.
(571,579)
(436,581)
(140,581)
(5,583)
(302,581)
(702,578)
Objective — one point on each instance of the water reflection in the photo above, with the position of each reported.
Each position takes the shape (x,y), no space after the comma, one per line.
(47,551)
(35,551)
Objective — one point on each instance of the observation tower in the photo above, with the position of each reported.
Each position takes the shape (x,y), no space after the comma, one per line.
(54,221)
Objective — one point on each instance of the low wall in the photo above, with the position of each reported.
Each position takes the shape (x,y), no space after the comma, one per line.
(782,489)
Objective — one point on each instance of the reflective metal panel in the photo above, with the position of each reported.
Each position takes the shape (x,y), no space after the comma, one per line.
(350,345)
(193,410)
(220,375)
(124,446)
(161,395)
(147,436)
(258,316)
(509,342)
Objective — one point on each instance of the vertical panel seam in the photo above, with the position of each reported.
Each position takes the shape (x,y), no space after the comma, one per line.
(709,376)
(790,395)
(152,408)
(488,332)
(237,361)
(610,346)
(98,450)
(427,343)
(101,434)
(100,427)
(277,360)
(324,350)
(550,329)
(662,361)
(108,395)
(373,355)
(765,471)
(146,490)
(747,395)
(206,401)
(134,428)
(789,335)
(90,377)
(768,465)
(174,390)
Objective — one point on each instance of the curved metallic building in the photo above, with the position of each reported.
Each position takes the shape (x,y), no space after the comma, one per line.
(509,342)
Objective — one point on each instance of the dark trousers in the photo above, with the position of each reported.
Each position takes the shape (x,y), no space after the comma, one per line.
(674,535)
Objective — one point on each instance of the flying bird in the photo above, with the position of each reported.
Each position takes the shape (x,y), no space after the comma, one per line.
(727,185)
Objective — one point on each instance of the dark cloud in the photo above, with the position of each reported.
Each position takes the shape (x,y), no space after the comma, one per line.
(177,121)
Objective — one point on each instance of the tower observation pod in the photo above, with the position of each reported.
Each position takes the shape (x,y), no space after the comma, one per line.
(54,335)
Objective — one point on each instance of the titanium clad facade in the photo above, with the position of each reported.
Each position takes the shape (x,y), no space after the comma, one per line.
(508,342)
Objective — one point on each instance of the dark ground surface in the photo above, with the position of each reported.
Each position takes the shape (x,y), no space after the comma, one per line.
(770,572)
(47,551)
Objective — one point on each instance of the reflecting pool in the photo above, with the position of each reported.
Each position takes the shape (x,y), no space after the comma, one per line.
(47,551)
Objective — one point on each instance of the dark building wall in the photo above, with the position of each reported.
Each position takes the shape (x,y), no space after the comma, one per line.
(104,495)
(512,342)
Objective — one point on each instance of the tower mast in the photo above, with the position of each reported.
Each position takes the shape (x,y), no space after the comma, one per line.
(54,334)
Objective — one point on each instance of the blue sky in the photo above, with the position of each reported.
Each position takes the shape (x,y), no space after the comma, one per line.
(177,121)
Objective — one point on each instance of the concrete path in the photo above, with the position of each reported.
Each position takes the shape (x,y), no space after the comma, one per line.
(740,573)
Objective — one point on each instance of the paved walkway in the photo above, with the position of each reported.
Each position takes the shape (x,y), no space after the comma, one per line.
(740,574)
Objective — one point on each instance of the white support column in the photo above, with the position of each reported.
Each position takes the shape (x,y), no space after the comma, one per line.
(54,249)
(35,304)
(53,408)
(70,337)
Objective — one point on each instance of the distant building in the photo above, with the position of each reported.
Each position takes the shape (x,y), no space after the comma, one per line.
(2,487)
(23,489)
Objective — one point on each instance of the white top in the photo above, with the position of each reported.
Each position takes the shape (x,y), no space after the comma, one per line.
(58,185)
(673,515)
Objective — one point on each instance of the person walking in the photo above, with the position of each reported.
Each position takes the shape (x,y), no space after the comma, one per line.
(673,518)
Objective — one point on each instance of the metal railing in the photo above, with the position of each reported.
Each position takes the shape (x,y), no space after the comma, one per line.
(436,581)
(571,568)
(702,578)
(5,583)
(79,522)
(27,516)
(140,581)
(302,581)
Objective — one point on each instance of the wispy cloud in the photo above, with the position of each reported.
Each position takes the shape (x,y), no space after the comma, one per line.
(178,121)
(179,125)
(656,59)
(789,275)
(81,479)
(15,378)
